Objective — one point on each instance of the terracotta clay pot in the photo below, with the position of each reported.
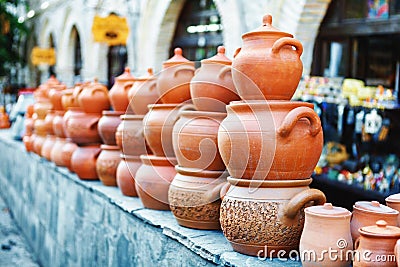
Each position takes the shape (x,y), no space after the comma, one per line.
(266,215)
(83,161)
(194,139)
(367,213)
(55,95)
(28,142)
(38,143)
(393,201)
(194,197)
(173,82)
(334,222)
(81,127)
(126,173)
(376,245)
(47,146)
(107,163)
(119,91)
(39,127)
(41,107)
(108,125)
(56,152)
(29,126)
(129,135)
(274,140)
(153,179)
(158,125)
(94,98)
(143,93)
(58,124)
(66,153)
(261,68)
(49,122)
(68,99)
(211,88)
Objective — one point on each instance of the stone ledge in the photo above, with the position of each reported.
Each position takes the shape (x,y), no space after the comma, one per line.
(45,199)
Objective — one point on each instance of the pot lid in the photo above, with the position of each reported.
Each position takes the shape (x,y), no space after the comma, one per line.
(177,58)
(126,76)
(267,28)
(219,57)
(149,76)
(393,198)
(374,206)
(381,228)
(328,209)
(96,84)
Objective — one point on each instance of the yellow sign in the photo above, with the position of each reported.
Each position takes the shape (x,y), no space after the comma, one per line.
(43,56)
(112,30)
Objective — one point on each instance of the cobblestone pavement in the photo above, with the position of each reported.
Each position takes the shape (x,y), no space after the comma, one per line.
(14,250)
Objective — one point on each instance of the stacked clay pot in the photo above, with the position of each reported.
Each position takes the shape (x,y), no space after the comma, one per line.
(28,124)
(270,146)
(194,194)
(119,91)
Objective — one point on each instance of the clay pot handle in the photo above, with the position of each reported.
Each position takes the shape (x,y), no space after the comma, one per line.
(153,86)
(300,200)
(237,51)
(296,114)
(186,107)
(183,67)
(223,71)
(93,123)
(101,89)
(287,41)
(218,192)
(127,86)
(357,243)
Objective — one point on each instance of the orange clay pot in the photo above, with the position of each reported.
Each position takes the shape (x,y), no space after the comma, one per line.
(274,140)
(268,65)
(119,91)
(129,135)
(55,95)
(58,124)
(66,153)
(47,146)
(81,127)
(56,151)
(153,179)
(28,142)
(107,163)
(211,88)
(83,161)
(94,98)
(41,107)
(393,201)
(49,121)
(68,99)
(108,125)
(143,93)
(173,83)
(126,173)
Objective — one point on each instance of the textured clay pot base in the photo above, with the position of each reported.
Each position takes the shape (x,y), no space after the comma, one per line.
(254,250)
(198,224)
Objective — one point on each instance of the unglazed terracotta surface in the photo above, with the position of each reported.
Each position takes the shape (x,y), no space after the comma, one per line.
(66,153)
(126,172)
(272,140)
(107,126)
(94,98)
(129,135)
(48,120)
(48,146)
(55,95)
(393,201)
(58,124)
(56,151)
(107,163)
(81,127)
(143,93)
(83,161)
(118,93)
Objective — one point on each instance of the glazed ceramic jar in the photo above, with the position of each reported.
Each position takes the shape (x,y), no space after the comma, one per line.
(58,124)
(376,245)
(211,88)
(66,153)
(326,227)
(194,197)
(107,163)
(158,125)
(194,139)
(55,95)
(81,127)
(143,93)
(119,91)
(256,215)
(108,125)
(47,146)
(393,201)
(129,135)
(94,98)
(368,212)
(270,140)
(68,99)
(56,151)
(173,82)
(126,173)
(268,65)
(153,179)
(83,161)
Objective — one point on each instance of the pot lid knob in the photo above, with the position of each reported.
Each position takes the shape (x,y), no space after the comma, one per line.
(178,51)
(375,203)
(328,206)
(381,224)
(267,20)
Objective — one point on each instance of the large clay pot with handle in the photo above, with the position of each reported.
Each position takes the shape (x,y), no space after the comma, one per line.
(68,98)
(334,222)
(81,127)
(119,91)
(94,98)
(173,82)
(143,93)
(83,161)
(108,125)
(212,88)
(268,65)
(270,140)
(55,96)
(260,218)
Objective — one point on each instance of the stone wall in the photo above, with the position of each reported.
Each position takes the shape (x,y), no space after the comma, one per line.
(70,222)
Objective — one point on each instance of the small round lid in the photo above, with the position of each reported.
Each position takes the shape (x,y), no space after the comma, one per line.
(219,57)
(267,28)
(126,76)
(393,198)
(374,206)
(329,210)
(96,84)
(177,58)
(381,228)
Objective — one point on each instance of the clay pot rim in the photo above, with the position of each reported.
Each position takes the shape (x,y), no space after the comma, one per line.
(129,157)
(109,147)
(77,109)
(395,198)
(269,103)
(112,113)
(68,91)
(203,114)
(161,106)
(395,214)
(269,183)
(200,172)
(153,160)
(393,234)
(131,117)
(166,65)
